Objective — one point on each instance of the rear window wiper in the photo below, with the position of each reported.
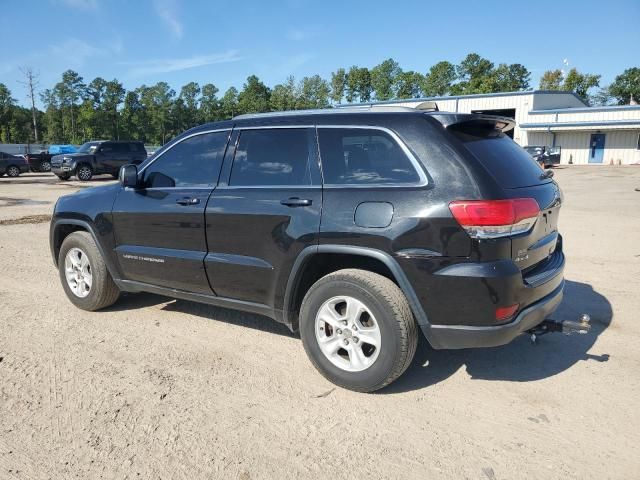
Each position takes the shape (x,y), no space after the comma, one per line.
(546,174)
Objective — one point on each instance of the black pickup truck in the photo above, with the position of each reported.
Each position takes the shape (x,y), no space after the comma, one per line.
(97,157)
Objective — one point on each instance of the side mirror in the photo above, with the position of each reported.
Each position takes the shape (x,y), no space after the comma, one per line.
(129,176)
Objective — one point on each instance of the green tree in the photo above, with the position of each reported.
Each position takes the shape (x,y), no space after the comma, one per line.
(580,83)
(52,118)
(134,118)
(189,95)
(229,103)
(7,103)
(551,80)
(209,103)
(254,96)
(384,77)
(71,92)
(473,73)
(112,99)
(439,80)
(313,93)
(338,85)
(408,85)
(625,85)
(284,96)
(507,78)
(358,84)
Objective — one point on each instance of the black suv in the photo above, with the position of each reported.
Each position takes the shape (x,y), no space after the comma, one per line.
(96,157)
(357,227)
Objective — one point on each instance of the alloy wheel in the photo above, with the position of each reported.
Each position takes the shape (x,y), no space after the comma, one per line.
(84,173)
(13,171)
(78,272)
(348,334)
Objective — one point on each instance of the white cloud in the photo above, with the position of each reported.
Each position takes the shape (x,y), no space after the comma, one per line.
(151,67)
(167,10)
(80,4)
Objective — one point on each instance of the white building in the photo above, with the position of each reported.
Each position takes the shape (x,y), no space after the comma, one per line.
(594,135)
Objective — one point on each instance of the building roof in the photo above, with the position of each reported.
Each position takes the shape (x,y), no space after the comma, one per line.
(471,96)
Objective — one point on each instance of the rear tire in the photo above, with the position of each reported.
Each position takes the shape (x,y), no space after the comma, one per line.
(84,172)
(13,171)
(343,349)
(45,167)
(89,286)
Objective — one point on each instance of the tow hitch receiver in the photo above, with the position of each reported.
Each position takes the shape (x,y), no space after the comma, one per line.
(582,326)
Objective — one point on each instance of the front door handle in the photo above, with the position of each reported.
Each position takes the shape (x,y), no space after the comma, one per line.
(296,202)
(188,201)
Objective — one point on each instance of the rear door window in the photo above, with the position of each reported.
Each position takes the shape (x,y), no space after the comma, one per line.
(361,156)
(509,163)
(272,157)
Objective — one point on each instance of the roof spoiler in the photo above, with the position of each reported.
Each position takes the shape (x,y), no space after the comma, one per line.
(474,119)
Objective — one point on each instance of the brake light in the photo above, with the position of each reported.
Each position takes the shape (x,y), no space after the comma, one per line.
(505,313)
(495,218)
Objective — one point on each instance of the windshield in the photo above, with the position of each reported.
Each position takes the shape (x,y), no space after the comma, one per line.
(88,147)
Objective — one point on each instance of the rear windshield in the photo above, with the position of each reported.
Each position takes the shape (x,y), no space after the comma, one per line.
(509,163)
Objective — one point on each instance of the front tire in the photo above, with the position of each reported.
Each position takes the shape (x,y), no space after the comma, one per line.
(358,330)
(13,171)
(84,172)
(84,275)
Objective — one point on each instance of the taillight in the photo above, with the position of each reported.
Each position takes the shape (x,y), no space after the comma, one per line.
(495,218)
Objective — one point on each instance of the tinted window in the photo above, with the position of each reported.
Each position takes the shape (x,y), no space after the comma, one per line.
(363,157)
(194,162)
(121,147)
(278,156)
(107,148)
(135,147)
(509,163)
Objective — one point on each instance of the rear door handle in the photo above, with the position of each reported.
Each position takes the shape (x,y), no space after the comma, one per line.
(296,202)
(188,201)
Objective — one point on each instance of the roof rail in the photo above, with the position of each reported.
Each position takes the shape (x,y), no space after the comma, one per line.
(338,109)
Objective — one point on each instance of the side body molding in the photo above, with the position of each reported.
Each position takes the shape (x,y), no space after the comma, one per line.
(298,267)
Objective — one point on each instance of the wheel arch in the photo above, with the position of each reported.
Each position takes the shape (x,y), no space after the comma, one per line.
(62,228)
(331,258)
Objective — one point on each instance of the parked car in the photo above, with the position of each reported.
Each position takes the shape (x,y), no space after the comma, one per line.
(359,228)
(546,157)
(39,162)
(97,157)
(12,165)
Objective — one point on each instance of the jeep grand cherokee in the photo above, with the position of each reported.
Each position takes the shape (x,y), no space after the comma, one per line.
(357,227)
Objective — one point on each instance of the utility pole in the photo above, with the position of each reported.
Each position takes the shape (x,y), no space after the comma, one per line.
(31,83)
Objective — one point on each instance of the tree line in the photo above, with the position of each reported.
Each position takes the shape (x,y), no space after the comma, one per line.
(76,111)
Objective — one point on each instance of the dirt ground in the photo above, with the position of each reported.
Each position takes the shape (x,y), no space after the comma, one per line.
(158,388)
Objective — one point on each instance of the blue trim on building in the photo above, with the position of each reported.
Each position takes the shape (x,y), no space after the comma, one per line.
(605,123)
(458,97)
(612,108)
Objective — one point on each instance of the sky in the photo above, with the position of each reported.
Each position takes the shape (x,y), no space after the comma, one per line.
(222,42)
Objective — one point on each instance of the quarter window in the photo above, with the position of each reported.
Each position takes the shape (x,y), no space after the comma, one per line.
(277,156)
(355,156)
(194,162)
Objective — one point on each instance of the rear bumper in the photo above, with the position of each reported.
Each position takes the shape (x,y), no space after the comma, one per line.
(463,336)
